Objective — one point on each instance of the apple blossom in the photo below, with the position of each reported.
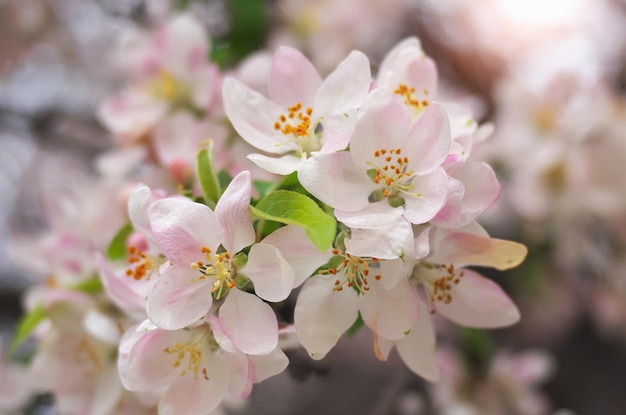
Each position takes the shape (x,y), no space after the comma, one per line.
(203,247)
(392,169)
(193,371)
(303,115)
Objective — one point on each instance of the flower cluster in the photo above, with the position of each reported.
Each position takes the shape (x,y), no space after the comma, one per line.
(360,205)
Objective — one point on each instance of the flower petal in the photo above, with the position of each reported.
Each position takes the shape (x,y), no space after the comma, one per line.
(181,227)
(383,124)
(293,79)
(338,129)
(253,116)
(323,315)
(463,249)
(387,241)
(283,165)
(479,302)
(346,87)
(389,312)
(190,396)
(429,140)
(272,276)
(249,322)
(296,247)
(143,364)
(268,365)
(481,190)
(233,211)
(333,179)
(417,349)
(179,298)
(138,203)
(127,293)
(432,190)
(371,216)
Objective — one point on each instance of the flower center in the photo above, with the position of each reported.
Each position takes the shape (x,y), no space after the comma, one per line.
(218,266)
(192,354)
(439,279)
(141,264)
(166,87)
(415,104)
(353,272)
(390,169)
(299,128)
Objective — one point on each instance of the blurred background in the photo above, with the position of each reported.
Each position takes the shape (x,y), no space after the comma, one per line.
(550,76)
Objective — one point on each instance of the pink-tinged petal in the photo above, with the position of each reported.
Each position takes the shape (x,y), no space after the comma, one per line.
(138,203)
(451,214)
(422,242)
(131,115)
(120,162)
(429,140)
(389,312)
(283,165)
(181,227)
(293,79)
(467,249)
(371,216)
(296,247)
(107,392)
(323,315)
(432,189)
(220,337)
(382,347)
(266,366)
(393,68)
(143,364)
(102,327)
(393,271)
(190,396)
(417,349)
(478,302)
(176,301)
(241,376)
(233,211)
(337,131)
(182,45)
(272,276)
(387,241)
(346,87)
(333,179)
(127,293)
(422,75)
(481,188)
(383,124)
(249,322)
(253,116)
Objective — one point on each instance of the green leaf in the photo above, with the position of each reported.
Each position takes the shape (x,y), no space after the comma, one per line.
(209,182)
(117,248)
(293,208)
(90,286)
(27,324)
(262,187)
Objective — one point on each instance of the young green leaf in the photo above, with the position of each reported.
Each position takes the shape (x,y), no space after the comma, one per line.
(117,248)
(90,286)
(27,324)
(293,208)
(207,176)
